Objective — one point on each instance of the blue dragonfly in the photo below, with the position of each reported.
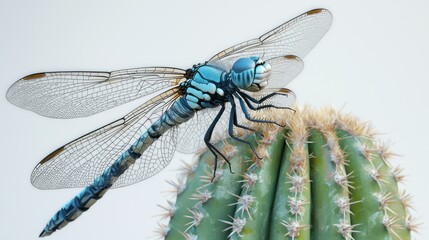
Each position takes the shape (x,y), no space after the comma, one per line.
(188,107)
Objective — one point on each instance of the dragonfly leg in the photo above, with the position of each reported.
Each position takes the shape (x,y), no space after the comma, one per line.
(235,123)
(247,115)
(245,127)
(210,146)
(232,119)
(246,98)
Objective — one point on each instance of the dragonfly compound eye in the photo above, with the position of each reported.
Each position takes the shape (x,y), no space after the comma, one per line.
(243,72)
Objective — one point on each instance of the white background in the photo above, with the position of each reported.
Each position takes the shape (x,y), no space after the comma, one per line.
(373,62)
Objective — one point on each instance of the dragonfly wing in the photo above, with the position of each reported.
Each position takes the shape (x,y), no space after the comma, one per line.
(79,162)
(81,94)
(295,37)
(283,70)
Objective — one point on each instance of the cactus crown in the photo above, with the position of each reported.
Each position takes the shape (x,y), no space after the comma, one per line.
(323,176)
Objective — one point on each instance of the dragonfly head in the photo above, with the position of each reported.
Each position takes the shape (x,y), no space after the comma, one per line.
(250,74)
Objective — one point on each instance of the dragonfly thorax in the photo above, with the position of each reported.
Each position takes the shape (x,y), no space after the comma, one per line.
(250,74)
(206,86)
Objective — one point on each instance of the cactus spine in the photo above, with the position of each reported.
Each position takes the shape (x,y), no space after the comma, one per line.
(323,176)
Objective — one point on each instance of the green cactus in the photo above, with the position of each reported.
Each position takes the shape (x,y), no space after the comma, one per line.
(323,176)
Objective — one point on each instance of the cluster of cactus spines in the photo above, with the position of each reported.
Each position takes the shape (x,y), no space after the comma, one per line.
(322,176)
(291,210)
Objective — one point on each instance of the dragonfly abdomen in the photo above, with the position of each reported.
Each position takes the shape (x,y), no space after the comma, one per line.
(90,194)
(178,113)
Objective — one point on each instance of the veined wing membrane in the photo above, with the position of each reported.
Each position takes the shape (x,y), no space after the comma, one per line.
(81,94)
(79,162)
(295,37)
(283,70)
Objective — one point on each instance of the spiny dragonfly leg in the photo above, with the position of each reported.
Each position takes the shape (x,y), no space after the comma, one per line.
(232,119)
(247,115)
(210,146)
(246,98)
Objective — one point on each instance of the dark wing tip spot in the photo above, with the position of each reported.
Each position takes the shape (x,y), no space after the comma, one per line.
(34,76)
(315,11)
(52,155)
(291,57)
(284,90)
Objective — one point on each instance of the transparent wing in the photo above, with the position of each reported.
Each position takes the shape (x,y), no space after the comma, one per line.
(283,47)
(295,37)
(80,94)
(283,70)
(79,162)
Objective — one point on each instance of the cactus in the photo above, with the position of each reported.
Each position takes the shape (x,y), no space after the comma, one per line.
(323,176)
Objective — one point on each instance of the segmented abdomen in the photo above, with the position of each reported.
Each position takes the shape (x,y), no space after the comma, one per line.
(178,113)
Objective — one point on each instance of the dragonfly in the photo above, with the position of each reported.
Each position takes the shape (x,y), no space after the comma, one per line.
(188,107)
